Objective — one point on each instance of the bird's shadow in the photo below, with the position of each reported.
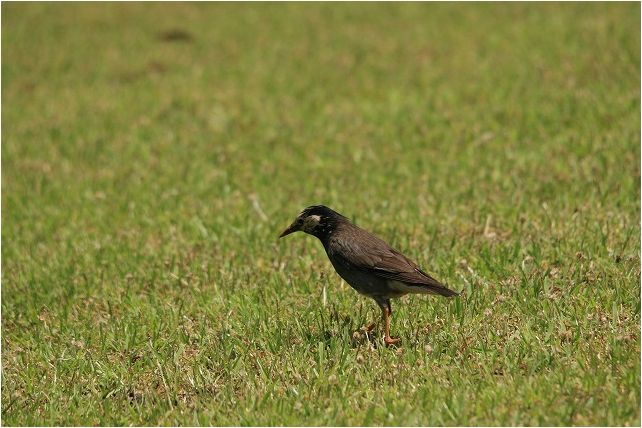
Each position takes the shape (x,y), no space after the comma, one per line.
(357,338)
(351,329)
(363,337)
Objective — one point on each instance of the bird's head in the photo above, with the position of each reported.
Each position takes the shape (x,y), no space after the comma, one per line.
(317,220)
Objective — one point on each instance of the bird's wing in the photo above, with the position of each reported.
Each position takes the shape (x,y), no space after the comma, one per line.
(376,256)
(395,265)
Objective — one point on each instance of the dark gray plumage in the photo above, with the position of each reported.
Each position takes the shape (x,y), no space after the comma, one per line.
(367,263)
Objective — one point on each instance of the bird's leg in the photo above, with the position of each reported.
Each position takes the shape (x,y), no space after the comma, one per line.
(387,314)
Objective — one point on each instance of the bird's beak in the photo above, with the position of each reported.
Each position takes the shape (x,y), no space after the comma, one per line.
(291,228)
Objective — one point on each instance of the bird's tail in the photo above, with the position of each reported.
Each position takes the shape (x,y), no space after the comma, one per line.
(426,287)
(432,286)
(442,290)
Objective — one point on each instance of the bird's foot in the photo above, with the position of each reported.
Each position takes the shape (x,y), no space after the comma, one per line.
(390,341)
(370,327)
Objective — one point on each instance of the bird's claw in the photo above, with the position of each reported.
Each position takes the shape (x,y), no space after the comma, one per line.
(370,327)
(390,341)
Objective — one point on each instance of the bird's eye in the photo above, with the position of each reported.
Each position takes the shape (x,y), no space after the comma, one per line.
(299,221)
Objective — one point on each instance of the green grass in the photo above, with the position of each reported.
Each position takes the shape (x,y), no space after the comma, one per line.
(151,154)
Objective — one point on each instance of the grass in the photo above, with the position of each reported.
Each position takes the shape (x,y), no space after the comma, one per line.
(151,154)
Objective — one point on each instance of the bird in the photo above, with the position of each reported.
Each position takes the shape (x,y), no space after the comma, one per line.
(366,262)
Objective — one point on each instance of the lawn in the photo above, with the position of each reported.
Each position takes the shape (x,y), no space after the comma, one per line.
(152,153)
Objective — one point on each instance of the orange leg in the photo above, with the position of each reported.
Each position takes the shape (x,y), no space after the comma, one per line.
(387,314)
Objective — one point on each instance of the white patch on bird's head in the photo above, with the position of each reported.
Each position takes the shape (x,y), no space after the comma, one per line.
(310,223)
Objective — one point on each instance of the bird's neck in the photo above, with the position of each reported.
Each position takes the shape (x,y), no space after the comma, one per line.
(324,234)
